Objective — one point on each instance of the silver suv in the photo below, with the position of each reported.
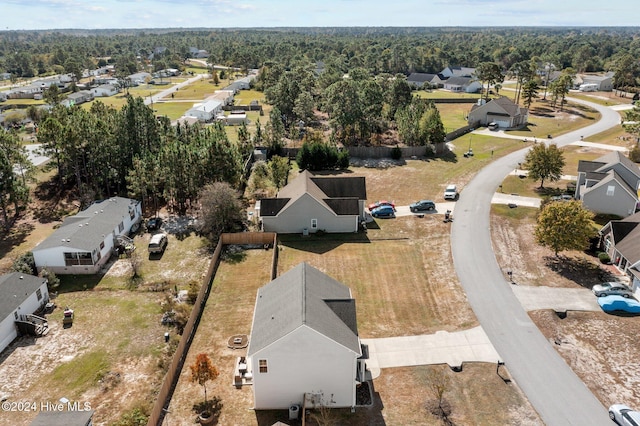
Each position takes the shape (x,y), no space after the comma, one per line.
(451,192)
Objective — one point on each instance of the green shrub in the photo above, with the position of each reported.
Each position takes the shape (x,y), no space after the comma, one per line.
(604,258)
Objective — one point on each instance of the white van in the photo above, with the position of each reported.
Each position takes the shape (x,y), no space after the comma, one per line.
(158,243)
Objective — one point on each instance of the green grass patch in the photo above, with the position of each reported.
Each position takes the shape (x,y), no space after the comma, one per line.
(525,187)
(601,98)
(545,120)
(518,213)
(81,373)
(173,110)
(244,97)
(198,91)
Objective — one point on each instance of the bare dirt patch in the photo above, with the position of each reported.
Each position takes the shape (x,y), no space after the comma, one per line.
(600,348)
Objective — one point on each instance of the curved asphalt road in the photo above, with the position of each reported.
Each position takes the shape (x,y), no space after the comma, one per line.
(554,390)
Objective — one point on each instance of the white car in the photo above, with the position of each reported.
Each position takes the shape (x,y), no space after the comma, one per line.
(624,415)
(451,192)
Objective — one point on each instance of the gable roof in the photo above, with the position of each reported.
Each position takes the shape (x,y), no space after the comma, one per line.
(612,158)
(338,194)
(626,236)
(509,107)
(610,176)
(89,227)
(304,296)
(420,77)
(599,168)
(15,288)
(458,81)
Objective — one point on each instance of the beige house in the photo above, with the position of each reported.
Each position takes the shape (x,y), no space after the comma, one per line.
(502,111)
(312,203)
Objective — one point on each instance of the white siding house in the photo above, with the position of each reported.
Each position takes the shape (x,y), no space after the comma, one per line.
(104,90)
(85,242)
(304,341)
(20,295)
(206,111)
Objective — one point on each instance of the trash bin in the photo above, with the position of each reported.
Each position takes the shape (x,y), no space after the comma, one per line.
(293,412)
(166,337)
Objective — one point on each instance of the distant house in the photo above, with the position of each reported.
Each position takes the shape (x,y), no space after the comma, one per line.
(458,71)
(609,185)
(243,83)
(85,242)
(139,78)
(311,203)
(68,417)
(502,111)
(205,111)
(105,90)
(603,82)
(198,53)
(304,340)
(224,96)
(462,84)
(20,295)
(620,239)
(420,79)
(234,118)
(78,98)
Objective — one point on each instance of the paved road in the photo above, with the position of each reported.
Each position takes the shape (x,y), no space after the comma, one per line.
(553,389)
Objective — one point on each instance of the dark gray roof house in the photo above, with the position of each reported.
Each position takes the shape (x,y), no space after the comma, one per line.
(305,336)
(333,204)
(621,240)
(502,111)
(609,184)
(420,79)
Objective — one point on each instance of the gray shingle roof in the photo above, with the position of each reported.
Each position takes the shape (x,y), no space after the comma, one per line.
(304,296)
(62,418)
(338,194)
(15,290)
(87,229)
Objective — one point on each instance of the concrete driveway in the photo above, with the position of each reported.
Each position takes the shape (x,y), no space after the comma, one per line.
(439,348)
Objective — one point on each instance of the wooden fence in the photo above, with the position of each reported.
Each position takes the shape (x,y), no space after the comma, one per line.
(171,378)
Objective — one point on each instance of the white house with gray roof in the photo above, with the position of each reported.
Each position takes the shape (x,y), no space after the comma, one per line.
(205,111)
(20,295)
(84,242)
(609,184)
(304,340)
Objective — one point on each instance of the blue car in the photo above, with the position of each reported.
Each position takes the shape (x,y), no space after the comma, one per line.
(383,211)
(618,303)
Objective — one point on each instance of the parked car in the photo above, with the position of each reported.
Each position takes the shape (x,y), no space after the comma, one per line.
(158,243)
(619,303)
(422,206)
(624,415)
(383,211)
(154,224)
(451,192)
(610,288)
(380,204)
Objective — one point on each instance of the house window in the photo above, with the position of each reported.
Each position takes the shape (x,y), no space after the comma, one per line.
(611,189)
(15,314)
(121,227)
(263,365)
(314,223)
(39,294)
(78,258)
(101,245)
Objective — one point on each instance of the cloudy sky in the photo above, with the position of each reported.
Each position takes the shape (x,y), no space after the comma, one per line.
(91,14)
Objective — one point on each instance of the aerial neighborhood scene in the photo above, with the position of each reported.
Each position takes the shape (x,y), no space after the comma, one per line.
(343,214)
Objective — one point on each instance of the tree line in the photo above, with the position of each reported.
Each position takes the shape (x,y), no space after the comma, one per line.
(102,151)
(379,50)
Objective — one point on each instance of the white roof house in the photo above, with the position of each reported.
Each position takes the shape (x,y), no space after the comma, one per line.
(84,242)
(304,340)
(205,111)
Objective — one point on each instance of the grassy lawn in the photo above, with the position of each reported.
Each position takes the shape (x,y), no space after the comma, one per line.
(600,98)
(173,110)
(244,97)
(197,91)
(23,102)
(453,116)
(544,120)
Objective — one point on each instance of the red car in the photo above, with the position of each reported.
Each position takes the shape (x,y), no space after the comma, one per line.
(382,203)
